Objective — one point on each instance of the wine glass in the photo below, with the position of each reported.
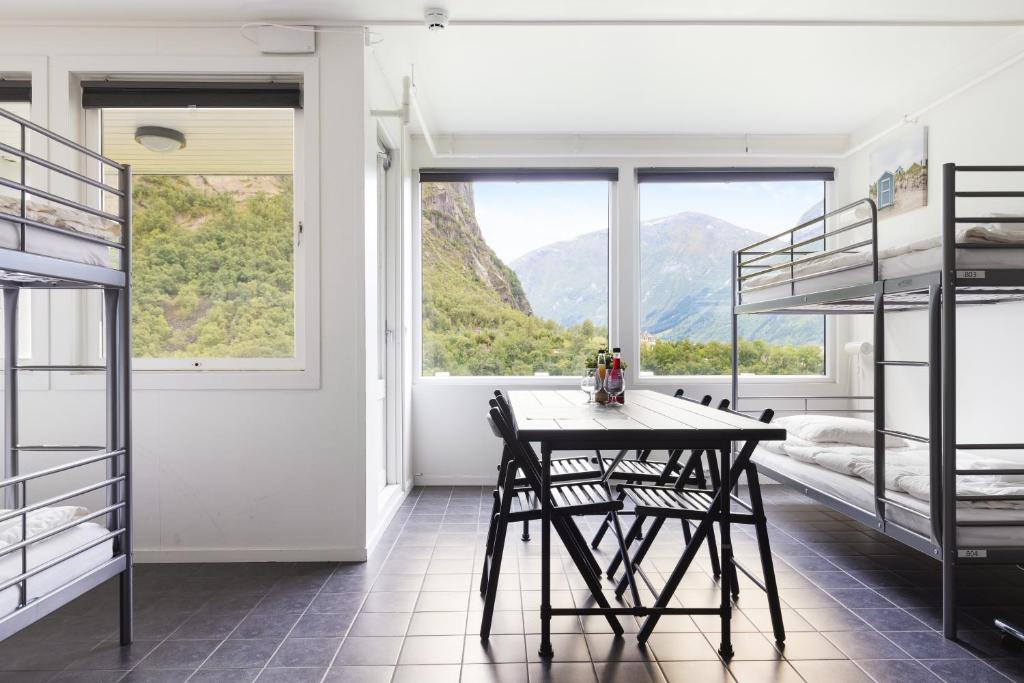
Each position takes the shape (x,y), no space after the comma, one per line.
(614,385)
(589,384)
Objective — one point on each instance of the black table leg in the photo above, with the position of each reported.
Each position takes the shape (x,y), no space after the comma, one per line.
(545,553)
(725,503)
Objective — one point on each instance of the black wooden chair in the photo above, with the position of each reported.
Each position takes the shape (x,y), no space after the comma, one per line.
(522,503)
(692,475)
(642,470)
(703,507)
(581,468)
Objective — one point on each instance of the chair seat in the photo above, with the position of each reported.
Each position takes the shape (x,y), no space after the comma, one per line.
(568,468)
(638,470)
(568,499)
(667,501)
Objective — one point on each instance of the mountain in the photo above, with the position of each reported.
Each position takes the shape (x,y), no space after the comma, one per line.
(454,245)
(685,282)
(476,317)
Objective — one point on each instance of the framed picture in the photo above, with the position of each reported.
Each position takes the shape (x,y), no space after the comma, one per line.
(899,171)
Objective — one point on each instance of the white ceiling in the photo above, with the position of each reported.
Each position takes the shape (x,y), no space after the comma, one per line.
(756,80)
(364,10)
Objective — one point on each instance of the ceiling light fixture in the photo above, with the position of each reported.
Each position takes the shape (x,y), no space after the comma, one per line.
(159,139)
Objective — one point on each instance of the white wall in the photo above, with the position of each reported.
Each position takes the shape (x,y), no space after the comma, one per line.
(451,443)
(981,125)
(246,473)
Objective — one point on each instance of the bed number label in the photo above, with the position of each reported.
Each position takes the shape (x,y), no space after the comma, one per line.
(970,274)
(973,554)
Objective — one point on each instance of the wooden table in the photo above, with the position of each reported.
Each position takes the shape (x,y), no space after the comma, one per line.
(564,421)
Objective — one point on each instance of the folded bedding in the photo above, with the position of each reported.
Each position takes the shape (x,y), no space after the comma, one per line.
(992,233)
(39,522)
(906,466)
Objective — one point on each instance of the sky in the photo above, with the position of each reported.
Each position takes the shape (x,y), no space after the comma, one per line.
(516,218)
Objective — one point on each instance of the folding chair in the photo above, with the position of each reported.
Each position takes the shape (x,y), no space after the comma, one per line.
(692,474)
(524,503)
(705,508)
(580,468)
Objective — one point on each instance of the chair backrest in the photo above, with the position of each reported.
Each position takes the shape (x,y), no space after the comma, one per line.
(705,401)
(766,416)
(522,454)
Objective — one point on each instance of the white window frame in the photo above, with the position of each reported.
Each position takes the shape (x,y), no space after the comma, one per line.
(624,302)
(417,302)
(302,371)
(829,375)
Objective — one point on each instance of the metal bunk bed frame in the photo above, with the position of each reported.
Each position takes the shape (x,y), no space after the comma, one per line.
(20,269)
(939,292)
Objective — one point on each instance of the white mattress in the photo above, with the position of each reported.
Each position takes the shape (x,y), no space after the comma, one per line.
(50,243)
(54,577)
(860,493)
(922,256)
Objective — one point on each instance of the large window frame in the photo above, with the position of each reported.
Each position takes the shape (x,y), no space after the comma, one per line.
(623,289)
(302,370)
(723,174)
(501,174)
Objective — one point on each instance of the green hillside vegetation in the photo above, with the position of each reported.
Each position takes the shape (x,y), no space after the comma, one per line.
(212,267)
(477,321)
(715,358)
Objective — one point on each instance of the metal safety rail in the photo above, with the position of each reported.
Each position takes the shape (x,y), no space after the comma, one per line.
(768,256)
(21,269)
(940,293)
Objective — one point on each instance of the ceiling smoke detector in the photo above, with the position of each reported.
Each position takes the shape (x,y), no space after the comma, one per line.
(437,19)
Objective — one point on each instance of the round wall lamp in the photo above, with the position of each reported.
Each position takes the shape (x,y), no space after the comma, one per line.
(159,139)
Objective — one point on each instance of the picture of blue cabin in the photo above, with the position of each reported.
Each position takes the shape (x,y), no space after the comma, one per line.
(886,190)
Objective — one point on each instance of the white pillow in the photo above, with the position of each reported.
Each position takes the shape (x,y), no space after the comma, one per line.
(851,431)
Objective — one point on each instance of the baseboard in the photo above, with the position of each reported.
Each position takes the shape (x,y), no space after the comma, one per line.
(177,555)
(456,479)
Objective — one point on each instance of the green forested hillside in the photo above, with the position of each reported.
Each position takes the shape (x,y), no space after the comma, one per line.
(212,267)
(477,320)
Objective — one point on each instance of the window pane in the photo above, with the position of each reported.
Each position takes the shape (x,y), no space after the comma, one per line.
(213,261)
(688,232)
(515,276)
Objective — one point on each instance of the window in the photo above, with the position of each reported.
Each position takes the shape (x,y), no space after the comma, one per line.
(690,223)
(215,227)
(514,271)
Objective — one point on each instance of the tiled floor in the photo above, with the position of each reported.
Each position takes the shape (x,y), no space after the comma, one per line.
(857,608)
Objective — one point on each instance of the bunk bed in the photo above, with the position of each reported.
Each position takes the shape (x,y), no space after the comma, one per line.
(52,549)
(977,259)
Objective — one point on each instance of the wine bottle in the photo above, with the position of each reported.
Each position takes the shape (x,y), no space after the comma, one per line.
(616,371)
(601,396)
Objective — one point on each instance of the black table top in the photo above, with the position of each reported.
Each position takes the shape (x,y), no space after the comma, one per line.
(563,420)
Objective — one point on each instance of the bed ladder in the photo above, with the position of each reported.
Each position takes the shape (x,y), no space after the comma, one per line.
(882,430)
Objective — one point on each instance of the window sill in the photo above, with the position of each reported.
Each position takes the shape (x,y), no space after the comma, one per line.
(649,381)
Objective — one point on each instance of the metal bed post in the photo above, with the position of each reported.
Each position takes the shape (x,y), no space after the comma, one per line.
(879,407)
(935,411)
(124,401)
(949,550)
(11,465)
(735,331)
